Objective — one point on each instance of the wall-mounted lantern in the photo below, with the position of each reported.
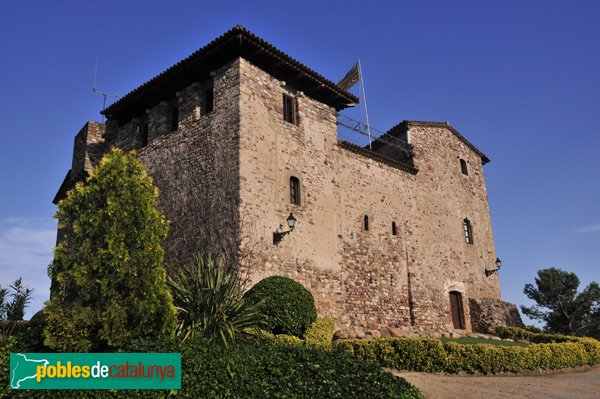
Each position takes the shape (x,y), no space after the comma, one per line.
(278,235)
(496,270)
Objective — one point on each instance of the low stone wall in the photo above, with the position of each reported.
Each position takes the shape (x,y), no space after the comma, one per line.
(489,313)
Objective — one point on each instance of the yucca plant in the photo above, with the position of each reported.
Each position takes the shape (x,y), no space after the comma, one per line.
(208,296)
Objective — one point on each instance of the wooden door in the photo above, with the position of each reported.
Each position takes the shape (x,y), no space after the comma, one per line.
(456,309)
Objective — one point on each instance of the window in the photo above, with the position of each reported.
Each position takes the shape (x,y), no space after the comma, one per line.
(366,223)
(394,229)
(144,134)
(209,100)
(174,118)
(289,109)
(463,167)
(295,190)
(468,231)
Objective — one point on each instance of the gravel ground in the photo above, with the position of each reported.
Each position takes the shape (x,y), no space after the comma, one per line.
(584,384)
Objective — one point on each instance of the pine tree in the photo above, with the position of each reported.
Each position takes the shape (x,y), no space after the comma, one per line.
(109,281)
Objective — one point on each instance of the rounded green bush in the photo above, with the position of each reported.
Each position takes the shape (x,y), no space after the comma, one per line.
(287,307)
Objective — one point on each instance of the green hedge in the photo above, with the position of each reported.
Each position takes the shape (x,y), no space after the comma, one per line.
(249,368)
(418,354)
(259,369)
(320,334)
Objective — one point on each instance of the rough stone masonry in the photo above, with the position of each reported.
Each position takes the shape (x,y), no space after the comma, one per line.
(239,135)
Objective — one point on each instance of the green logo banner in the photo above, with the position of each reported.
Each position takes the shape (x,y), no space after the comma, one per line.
(95,370)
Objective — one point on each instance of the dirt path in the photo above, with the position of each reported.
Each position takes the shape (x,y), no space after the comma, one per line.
(568,385)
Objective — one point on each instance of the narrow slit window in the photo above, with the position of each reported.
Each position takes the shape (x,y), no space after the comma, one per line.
(144,134)
(295,190)
(366,222)
(468,229)
(394,229)
(463,167)
(209,100)
(174,118)
(289,109)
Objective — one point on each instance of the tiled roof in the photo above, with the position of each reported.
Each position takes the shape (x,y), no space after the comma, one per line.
(238,41)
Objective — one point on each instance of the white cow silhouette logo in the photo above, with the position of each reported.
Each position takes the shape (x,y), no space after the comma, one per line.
(17,384)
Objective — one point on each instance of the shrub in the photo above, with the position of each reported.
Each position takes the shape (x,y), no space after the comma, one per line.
(108,267)
(31,339)
(287,307)
(252,368)
(537,338)
(208,296)
(260,369)
(320,334)
(281,338)
(418,354)
(7,345)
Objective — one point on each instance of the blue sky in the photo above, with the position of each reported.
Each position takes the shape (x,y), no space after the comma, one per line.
(520,79)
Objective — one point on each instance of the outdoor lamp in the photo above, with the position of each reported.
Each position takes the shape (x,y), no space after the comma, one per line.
(278,235)
(496,270)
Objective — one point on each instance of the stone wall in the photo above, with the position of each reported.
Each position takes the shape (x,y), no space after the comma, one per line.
(489,313)
(224,179)
(87,146)
(195,167)
(363,279)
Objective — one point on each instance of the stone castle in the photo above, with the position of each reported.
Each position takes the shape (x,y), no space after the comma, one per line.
(391,240)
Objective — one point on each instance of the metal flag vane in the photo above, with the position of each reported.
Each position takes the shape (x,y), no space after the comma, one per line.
(353,76)
(103,94)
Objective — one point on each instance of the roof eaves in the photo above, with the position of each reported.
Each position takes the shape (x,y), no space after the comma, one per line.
(446,125)
(241,33)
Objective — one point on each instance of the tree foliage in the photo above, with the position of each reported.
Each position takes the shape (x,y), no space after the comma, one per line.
(14,310)
(208,296)
(561,307)
(109,282)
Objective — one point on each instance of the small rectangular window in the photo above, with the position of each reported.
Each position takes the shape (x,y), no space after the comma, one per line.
(209,99)
(468,231)
(295,190)
(144,134)
(463,167)
(174,118)
(289,109)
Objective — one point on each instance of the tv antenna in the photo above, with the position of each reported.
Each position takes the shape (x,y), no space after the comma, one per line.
(102,93)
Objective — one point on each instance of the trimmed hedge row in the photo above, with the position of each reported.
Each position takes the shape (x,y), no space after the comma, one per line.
(518,333)
(320,334)
(249,368)
(423,354)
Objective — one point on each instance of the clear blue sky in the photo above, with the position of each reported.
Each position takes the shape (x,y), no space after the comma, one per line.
(520,79)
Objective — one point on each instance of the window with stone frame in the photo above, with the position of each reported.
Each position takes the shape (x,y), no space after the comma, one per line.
(295,190)
(468,230)
(290,109)
(366,222)
(394,229)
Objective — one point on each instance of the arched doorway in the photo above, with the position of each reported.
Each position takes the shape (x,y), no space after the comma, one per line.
(457,311)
